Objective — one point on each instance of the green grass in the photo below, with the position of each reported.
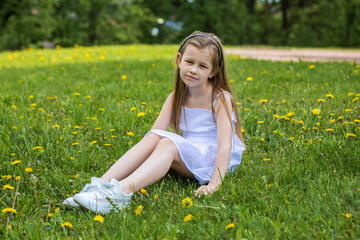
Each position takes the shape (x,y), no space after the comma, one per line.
(309,189)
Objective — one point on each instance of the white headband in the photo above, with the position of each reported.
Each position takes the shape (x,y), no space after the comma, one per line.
(202,35)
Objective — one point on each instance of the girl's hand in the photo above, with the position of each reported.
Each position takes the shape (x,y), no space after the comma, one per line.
(205,190)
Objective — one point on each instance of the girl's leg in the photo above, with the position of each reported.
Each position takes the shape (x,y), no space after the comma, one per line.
(132,159)
(164,157)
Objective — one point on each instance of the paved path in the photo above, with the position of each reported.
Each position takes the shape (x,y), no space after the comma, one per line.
(296,54)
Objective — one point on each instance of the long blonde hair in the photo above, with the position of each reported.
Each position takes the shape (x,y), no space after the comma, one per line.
(219,81)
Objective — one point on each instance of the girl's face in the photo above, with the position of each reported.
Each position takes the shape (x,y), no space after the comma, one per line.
(195,66)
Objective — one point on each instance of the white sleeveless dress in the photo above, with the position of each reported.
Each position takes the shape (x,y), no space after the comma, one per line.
(198,144)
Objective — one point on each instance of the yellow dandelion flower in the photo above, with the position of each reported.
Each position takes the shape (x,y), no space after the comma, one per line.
(75,143)
(315,111)
(123,77)
(249,79)
(262,101)
(133,108)
(112,130)
(66,224)
(138,210)
(155,195)
(49,214)
(321,100)
(15,162)
(187,202)
(144,192)
(17,178)
(13,106)
(350,135)
(188,218)
(355,99)
(7,186)
(260,122)
(312,66)
(229,226)
(102,109)
(140,114)
(276,116)
(332,120)
(143,103)
(329,95)
(76,94)
(28,170)
(57,209)
(340,117)
(93,142)
(347,110)
(262,140)
(98,128)
(131,134)
(266,159)
(347,215)
(290,114)
(107,144)
(7,177)
(8,210)
(88,97)
(329,130)
(99,218)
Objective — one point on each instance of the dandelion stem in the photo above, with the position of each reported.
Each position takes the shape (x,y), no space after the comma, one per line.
(202,206)
(37,202)
(16,191)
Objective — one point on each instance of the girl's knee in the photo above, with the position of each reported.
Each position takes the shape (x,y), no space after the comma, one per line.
(167,145)
(152,137)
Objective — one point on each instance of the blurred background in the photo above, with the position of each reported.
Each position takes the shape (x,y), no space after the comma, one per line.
(47,23)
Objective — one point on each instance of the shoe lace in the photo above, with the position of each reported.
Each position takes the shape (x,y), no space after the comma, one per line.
(107,189)
(89,188)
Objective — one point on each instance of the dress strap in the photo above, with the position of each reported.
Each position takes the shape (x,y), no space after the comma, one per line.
(217,96)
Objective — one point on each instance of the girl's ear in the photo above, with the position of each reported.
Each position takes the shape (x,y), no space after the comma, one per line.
(213,73)
(178,58)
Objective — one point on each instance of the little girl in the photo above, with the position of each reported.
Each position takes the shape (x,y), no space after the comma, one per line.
(203,109)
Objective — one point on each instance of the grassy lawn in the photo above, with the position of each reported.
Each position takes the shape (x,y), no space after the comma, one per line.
(67,114)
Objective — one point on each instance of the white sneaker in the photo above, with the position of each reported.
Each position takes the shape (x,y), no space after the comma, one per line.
(95,184)
(103,200)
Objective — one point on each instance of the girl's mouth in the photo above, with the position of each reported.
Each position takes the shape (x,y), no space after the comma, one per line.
(191,77)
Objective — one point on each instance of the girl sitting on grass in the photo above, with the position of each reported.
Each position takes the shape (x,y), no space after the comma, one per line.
(203,109)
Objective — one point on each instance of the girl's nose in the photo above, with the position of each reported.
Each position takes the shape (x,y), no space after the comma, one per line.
(193,70)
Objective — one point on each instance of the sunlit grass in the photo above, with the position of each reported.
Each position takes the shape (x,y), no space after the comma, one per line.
(67,114)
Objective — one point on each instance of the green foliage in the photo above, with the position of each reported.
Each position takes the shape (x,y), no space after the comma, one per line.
(24,23)
(306,188)
(45,23)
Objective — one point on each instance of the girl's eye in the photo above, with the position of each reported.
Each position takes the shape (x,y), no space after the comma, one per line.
(188,61)
(203,66)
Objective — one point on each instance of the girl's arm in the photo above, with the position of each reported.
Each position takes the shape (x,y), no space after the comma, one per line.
(224,142)
(163,120)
